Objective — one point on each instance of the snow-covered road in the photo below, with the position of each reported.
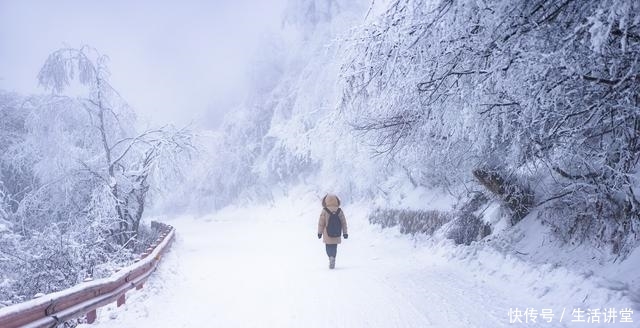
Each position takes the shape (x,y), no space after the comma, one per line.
(266,268)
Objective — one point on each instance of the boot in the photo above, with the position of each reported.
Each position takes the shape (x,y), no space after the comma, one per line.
(332,262)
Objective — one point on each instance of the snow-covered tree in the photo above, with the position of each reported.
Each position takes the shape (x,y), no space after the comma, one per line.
(75,177)
(544,93)
(123,160)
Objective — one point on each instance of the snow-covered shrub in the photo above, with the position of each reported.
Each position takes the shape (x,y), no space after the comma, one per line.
(467,228)
(56,258)
(147,236)
(384,217)
(410,221)
(468,225)
(15,169)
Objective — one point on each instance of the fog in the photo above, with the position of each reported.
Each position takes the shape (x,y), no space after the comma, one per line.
(174,62)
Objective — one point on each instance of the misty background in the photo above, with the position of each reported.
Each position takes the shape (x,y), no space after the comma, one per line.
(182,64)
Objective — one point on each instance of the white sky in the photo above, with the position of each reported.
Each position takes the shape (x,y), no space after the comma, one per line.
(180,61)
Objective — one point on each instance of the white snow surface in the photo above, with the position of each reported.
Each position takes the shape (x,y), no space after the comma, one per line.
(264,267)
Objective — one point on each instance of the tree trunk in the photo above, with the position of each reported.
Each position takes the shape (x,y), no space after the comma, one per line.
(517,198)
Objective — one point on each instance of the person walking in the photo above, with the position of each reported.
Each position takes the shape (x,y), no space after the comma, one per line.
(331,225)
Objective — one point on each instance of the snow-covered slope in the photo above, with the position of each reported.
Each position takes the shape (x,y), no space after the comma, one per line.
(264,267)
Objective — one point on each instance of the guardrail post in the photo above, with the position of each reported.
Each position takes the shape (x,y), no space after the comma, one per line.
(91,316)
(121,300)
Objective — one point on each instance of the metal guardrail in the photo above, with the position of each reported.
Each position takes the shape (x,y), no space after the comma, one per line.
(83,299)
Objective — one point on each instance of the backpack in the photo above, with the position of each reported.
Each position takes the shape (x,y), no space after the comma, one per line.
(334,224)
